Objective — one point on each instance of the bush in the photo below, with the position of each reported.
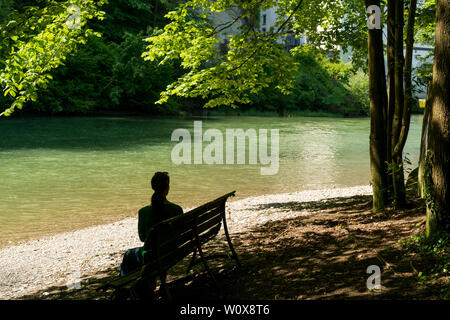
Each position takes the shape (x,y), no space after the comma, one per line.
(108,73)
(138,83)
(358,88)
(320,85)
(81,85)
(436,252)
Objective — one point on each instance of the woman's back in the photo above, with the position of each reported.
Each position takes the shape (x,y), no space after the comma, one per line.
(148,218)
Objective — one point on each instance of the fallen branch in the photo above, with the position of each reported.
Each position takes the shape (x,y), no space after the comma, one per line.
(421,222)
(387,264)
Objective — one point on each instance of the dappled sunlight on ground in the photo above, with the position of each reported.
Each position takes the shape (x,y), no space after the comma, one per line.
(320,255)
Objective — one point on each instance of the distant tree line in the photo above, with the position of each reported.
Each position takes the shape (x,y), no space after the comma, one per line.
(107,73)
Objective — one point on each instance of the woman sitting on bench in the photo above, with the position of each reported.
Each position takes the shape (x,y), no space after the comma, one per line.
(159,210)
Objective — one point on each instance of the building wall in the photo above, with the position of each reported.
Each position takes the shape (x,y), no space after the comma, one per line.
(219,18)
(268,19)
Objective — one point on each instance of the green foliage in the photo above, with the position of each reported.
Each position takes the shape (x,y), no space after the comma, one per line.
(358,88)
(83,83)
(131,16)
(342,25)
(319,85)
(39,40)
(253,62)
(137,83)
(107,72)
(436,251)
(425,24)
(103,75)
(5,9)
(254,70)
(424,34)
(423,73)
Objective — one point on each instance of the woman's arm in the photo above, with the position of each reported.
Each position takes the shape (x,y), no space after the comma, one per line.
(141,230)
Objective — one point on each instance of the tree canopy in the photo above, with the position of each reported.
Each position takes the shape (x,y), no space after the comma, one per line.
(37,40)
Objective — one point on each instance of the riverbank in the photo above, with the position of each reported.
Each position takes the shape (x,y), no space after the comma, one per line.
(61,260)
(305,245)
(218,112)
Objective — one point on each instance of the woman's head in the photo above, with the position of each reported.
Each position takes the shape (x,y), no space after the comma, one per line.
(160,183)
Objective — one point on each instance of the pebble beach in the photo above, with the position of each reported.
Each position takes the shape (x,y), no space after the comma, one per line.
(64,258)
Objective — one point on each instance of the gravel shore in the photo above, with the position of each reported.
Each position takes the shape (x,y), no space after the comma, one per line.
(64,258)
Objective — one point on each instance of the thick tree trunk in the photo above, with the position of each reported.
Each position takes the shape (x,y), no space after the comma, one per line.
(378,105)
(438,210)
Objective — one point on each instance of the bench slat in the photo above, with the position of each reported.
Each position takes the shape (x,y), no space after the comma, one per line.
(185,221)
(188,217)
(177,230)
(169,259)
(189,234)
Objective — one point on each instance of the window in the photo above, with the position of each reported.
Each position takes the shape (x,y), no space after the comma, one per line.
(264,19)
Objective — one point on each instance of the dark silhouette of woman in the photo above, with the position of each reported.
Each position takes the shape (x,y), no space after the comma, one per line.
(159,210)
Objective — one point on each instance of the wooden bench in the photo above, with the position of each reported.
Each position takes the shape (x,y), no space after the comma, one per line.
(172,240)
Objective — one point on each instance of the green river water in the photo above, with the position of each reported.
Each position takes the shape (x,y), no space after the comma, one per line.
(61,174)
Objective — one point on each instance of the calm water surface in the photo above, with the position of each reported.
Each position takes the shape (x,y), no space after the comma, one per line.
(60,174)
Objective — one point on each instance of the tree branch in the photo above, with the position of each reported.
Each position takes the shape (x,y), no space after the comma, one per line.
(269,37)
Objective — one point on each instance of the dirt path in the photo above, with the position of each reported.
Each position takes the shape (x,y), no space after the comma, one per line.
(321,254)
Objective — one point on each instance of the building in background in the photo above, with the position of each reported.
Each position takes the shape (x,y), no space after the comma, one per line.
(268,19)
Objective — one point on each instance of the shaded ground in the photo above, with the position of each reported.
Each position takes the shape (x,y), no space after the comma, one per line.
(320,255)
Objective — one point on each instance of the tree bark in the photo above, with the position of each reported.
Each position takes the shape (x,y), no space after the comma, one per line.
(407,103)
(398,180)
(424,144)
(378,105)
(438,209)
(408,98)
(391,80)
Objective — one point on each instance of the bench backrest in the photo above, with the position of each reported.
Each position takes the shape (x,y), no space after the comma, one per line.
(173,239)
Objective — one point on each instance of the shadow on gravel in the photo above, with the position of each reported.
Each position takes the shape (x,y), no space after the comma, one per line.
(355,203)
(319,256)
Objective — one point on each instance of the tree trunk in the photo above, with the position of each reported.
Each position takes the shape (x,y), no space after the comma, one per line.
(378,105)
(438,209)
(424,144)
(391,84)
(408,99)
(398,178)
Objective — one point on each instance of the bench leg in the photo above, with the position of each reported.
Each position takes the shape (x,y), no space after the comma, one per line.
(227,235)
(143,289)
(200,252)
(205,264)
(120,294)
(192,263)
(165,293)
